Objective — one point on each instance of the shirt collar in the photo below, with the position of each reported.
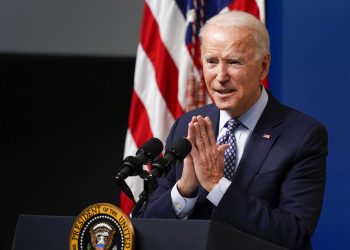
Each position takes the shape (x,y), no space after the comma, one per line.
(250,118)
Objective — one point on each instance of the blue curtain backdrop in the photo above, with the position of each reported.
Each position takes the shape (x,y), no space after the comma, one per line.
(310,71)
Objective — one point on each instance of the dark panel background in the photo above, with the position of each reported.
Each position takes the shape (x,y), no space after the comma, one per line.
(62,128)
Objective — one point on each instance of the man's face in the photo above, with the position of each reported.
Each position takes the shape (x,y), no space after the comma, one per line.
(231,69)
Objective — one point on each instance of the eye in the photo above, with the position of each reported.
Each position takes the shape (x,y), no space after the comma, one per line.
(211,60)
(234,61)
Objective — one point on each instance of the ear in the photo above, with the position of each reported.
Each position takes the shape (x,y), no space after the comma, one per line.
(265,66)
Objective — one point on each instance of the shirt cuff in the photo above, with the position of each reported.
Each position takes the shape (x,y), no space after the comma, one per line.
(218,191)
(182,205)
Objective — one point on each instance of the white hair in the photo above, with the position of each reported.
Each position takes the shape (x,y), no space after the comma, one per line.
(242,20)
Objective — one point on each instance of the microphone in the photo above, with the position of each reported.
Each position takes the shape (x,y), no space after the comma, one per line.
(132,166)
(177,151)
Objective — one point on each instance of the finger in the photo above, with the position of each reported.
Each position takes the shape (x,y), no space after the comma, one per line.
(212,152)
(221,155)
(203,131)
(188,160)
(210,131)
(191,136)
(199,144)
(190,130)
(221,149)
(193,119)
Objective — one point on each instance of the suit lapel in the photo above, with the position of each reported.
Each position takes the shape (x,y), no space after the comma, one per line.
(259,145)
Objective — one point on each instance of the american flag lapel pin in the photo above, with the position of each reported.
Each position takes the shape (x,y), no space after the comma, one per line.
(266,136)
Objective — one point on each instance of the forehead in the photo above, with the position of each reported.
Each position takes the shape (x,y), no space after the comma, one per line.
(227,39)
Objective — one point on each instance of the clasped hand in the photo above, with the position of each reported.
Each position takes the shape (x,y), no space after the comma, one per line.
(205,164)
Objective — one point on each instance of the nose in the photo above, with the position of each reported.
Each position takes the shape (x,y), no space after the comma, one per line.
(222,74)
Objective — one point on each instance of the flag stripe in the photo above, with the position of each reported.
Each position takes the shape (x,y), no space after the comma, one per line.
(146,88)
(138,115)
(171,23)
(162,62)
(261,7)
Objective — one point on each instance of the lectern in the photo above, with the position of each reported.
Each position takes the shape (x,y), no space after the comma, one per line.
(36,232)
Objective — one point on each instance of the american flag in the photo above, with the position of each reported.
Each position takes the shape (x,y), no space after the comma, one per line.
(167,64)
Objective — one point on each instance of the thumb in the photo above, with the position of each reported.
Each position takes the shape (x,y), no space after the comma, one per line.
(188,158)
(221,148)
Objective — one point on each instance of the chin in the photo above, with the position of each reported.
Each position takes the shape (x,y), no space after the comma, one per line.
(224,106)
(224,103)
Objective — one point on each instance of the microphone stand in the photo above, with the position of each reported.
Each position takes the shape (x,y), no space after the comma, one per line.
(125,188)
(148,187)
(159,168)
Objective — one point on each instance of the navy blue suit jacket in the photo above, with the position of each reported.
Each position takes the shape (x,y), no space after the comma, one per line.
(278,188)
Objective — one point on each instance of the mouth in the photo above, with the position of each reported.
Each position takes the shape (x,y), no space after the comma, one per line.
(224,91)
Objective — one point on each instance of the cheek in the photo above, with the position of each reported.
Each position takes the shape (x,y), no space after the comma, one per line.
(246,76)
(238,76)
(209,76)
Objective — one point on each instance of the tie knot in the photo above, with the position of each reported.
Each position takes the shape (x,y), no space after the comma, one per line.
(233,124)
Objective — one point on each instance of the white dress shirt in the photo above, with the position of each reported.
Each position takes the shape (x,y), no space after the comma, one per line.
(182,205)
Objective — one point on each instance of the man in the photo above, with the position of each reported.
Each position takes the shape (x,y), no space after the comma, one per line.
(255,165)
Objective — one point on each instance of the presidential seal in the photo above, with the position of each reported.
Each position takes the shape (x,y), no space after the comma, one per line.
(102,226)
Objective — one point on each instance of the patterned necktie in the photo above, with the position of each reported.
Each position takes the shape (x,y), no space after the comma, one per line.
(231,151)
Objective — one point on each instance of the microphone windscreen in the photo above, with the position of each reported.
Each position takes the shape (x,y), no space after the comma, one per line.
(152,148)
(181,147)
